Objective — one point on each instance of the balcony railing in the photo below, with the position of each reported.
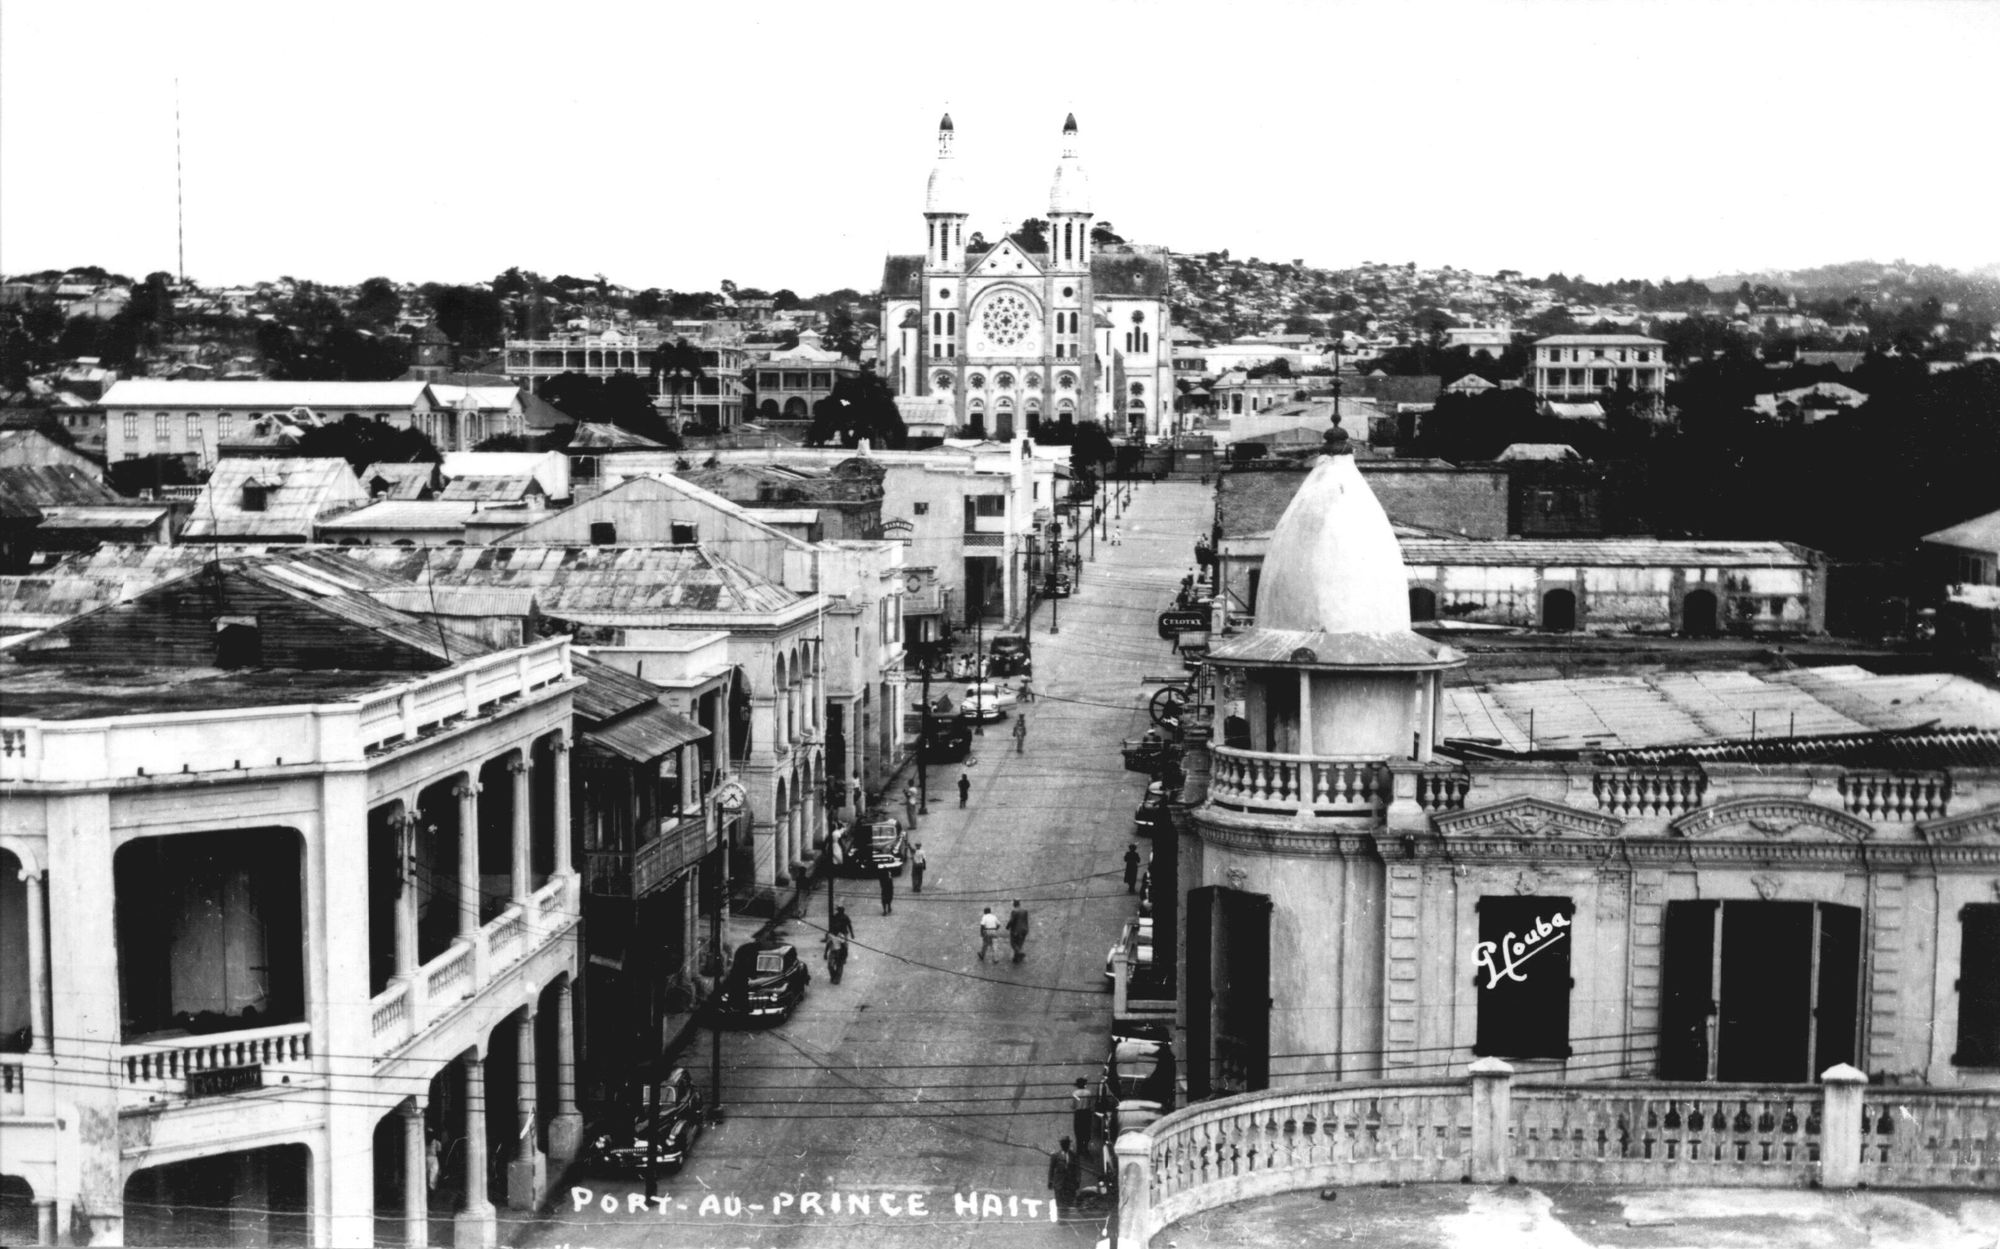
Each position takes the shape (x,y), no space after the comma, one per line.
(1895,796)
(1489,1128)
(1261,783)
(260,737)
(1649,791)
(165,1065)
(412,1004)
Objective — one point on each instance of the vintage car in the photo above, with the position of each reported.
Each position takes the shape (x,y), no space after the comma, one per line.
(1151,813)
(1056,585)
(986,701)
(947,741)
(1136,935)
(1151,754)
(868,847)
(765,983)
(1008,656)
(650,1138)
(1138,1070)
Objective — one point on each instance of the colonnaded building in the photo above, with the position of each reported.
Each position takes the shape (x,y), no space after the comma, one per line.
(1004,336)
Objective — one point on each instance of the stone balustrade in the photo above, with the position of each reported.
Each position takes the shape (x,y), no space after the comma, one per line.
(164,1065)
(1896,796)
(1263,783)
(1490,1128)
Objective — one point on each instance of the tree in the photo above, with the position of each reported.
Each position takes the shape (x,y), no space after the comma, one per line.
(1102,235)
(1033,235)
(376,303)
(841,335)
(1089,451)
(473,318)
(858,407)
(363,442)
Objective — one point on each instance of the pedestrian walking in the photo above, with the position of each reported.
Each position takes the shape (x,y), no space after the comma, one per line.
(1064,1175)
(1117,535)
(1081,1114)
(888,883)
(917,867)
(840,923)
(1027,689)
(1132,868)
(964,788)
(989,929)
(836,956)
(910,806)
(1020,732)
(1017,930)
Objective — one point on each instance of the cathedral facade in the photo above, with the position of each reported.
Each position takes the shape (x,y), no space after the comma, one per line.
(1029,329)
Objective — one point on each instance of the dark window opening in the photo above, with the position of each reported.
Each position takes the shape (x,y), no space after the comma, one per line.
(682,534)
(603,533)
(1978,986)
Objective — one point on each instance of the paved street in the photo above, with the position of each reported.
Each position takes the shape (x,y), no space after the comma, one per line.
(927,1072)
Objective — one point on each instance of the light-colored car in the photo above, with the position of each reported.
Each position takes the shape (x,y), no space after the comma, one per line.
(986,700)
(1138,933)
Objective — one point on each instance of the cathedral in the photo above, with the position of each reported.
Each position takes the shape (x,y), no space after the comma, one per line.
(1052,326)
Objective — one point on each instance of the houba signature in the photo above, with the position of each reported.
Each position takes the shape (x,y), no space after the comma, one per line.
(1502,960)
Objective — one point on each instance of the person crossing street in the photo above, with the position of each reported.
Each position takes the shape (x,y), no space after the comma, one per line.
(1132,868)
(1017,930)
(964,788)
(1020,732)
(917,865)
(910,806)
(989,928)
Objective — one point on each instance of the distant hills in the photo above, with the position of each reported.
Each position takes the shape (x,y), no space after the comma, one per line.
(1855,276)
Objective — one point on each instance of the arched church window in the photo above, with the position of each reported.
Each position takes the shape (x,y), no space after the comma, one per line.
(977,381)
(951,323)
(1066,380)
(1069,240)
(937,322)
(1003,380)
(942,381)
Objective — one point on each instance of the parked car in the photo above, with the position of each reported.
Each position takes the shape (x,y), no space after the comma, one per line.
(764,983)
(867,847)
(1056,585)
(947,741)
(1151,813)
(649,1139)
(1137,934)
(986,701)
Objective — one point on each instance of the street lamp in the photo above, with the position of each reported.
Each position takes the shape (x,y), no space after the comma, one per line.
(730,804)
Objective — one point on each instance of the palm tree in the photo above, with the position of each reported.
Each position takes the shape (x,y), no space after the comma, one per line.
(679,365)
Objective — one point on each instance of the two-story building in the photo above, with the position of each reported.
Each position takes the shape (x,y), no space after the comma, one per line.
(1584,366)
(288,890)
(148,416)
(712,399)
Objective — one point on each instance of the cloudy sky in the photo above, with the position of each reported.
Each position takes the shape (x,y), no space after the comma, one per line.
(786,144)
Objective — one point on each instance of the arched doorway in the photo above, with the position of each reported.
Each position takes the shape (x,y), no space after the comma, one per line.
(1559,611)
(1698,614)
(1423,603)
(795,409)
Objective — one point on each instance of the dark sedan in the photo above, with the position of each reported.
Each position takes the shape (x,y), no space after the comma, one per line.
(765,983)
(649,1139)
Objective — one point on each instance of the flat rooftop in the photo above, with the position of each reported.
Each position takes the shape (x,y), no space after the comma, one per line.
(53,691)
(1633,711)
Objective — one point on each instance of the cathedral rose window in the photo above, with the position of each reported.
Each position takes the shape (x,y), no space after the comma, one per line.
(1003,380)
(1006,318)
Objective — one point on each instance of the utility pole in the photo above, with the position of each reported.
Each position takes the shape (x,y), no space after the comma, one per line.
(923,745)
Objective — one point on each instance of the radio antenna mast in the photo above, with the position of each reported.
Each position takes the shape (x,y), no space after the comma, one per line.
(180,211)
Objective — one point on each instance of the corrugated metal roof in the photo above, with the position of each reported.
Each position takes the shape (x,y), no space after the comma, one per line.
(146,392)
(647,734)
(599,436)
(1912,749)
(413,514)
(508,489)
(43,485)
(132,516)
(608,692)
(1599,340)
(306,489)
(590,582)
(487,398)
(1600,552)
(401,481)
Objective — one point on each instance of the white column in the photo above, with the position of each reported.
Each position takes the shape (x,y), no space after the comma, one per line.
(527,1173)
(38,961)
(404,826)
(523,877)
(559,753)
(565,1123)
(475,1226)
(416,1176)
(467,793)
(1306,744)
(1425,710)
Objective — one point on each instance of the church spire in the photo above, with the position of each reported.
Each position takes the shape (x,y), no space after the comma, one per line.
(1069,206)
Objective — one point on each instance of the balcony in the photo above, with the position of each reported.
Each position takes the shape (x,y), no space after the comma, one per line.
(412,1005)
(1297,786)
(224,1062)
(1490,1128)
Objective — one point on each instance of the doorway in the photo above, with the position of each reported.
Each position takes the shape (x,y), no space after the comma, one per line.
(1559,611)
(1758,991)
(1423,604)
(1698,614)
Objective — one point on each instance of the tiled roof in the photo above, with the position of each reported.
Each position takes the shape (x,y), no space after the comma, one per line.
(403,481)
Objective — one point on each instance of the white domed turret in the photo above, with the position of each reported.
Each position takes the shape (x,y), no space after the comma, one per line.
(946,192)
(1334,565)
(1070,192)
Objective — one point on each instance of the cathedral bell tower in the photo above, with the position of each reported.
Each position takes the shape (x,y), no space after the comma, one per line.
(944,208)
(1069,209)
